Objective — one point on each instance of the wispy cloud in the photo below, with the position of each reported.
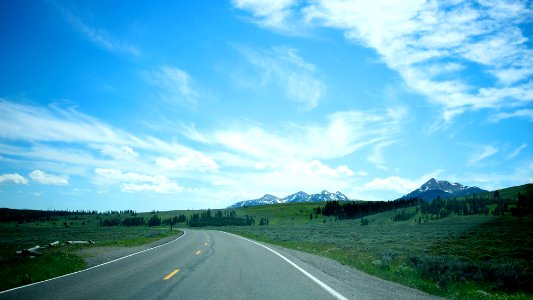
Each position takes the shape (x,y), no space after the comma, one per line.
(399,184)
(176,86)
(39,124)
(135,182)
(376,157)
(99,36)
(317,168)
(13,178)
(521,113)
(47,179)
(276,14)
(284,67)
(192,161)
(343,134)
(483,153)
(394,183)
(517,151)
(65,140)
(433,44)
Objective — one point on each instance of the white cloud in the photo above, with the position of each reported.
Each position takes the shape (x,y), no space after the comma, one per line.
(398,184)
(38,124)
(190,132)
(13,178)
(522,113)
(376,157)
(288,70)
(193,161)
(161,187)
(128,176)
(482,154)
(271,14)
(517,151)
(129,151)
(136,182)
(344,133)
(424,40)
(47,126)
(47,179)
(176,86)
(394,183)
(317,168)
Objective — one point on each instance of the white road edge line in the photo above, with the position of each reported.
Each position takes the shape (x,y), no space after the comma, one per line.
(94,267)
(326,287)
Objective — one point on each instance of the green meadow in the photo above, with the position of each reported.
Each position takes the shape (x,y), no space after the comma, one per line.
(476,256)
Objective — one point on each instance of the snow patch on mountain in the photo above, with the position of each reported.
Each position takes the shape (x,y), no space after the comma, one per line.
(434,188)
(293,198)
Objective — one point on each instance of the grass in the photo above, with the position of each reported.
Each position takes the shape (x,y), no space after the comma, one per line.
(460,257)
(16,270)
(510,193)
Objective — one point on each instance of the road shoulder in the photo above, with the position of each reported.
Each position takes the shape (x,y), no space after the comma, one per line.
(350,282)
(97,255)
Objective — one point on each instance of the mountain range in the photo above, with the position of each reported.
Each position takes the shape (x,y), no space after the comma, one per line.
(441,188)
(296,197)
(429,191)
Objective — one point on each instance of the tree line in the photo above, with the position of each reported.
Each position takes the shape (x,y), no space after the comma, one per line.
(219,218)
(354,210)
(206,218)
(27,215)
(479,204)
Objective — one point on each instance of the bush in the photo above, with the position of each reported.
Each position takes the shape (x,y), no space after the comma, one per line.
(508,276)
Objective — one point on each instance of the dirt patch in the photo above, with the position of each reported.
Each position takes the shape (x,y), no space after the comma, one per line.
(95,255)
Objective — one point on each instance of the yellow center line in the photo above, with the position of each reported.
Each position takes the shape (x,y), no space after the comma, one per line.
(171,274)
(198,252)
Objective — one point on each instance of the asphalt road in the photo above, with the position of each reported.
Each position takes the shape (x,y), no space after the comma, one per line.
(205,265)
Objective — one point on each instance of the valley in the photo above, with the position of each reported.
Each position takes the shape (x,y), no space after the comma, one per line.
(475,252)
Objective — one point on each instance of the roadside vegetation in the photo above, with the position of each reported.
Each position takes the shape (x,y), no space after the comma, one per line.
(20,269)
(474,247)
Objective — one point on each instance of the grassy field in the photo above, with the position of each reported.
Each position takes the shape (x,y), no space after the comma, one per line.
(16,270)
(288,213)
(461,257)
(458,257)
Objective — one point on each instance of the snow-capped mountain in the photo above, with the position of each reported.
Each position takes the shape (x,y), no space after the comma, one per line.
(443,189)
(296,197)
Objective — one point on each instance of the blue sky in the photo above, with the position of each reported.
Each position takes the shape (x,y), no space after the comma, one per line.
(188,104)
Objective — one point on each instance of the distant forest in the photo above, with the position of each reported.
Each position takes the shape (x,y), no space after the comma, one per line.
(479,204)
(488,203)
(355,210)
(126,217)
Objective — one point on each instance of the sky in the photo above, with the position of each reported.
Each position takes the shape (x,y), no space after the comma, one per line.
(143,105)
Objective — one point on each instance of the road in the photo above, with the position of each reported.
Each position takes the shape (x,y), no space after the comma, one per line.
(207,265)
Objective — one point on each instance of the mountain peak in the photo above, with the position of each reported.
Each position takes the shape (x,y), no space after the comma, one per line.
(296,197)
(434,188)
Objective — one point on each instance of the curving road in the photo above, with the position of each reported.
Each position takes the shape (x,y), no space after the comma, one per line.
(208,265)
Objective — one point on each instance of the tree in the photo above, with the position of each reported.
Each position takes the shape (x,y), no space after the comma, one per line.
(155,220)
(497,197)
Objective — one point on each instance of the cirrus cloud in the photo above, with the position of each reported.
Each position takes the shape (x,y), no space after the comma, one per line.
(431,44)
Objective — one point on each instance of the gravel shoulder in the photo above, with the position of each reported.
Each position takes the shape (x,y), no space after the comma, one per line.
(96,255)
(348,281)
